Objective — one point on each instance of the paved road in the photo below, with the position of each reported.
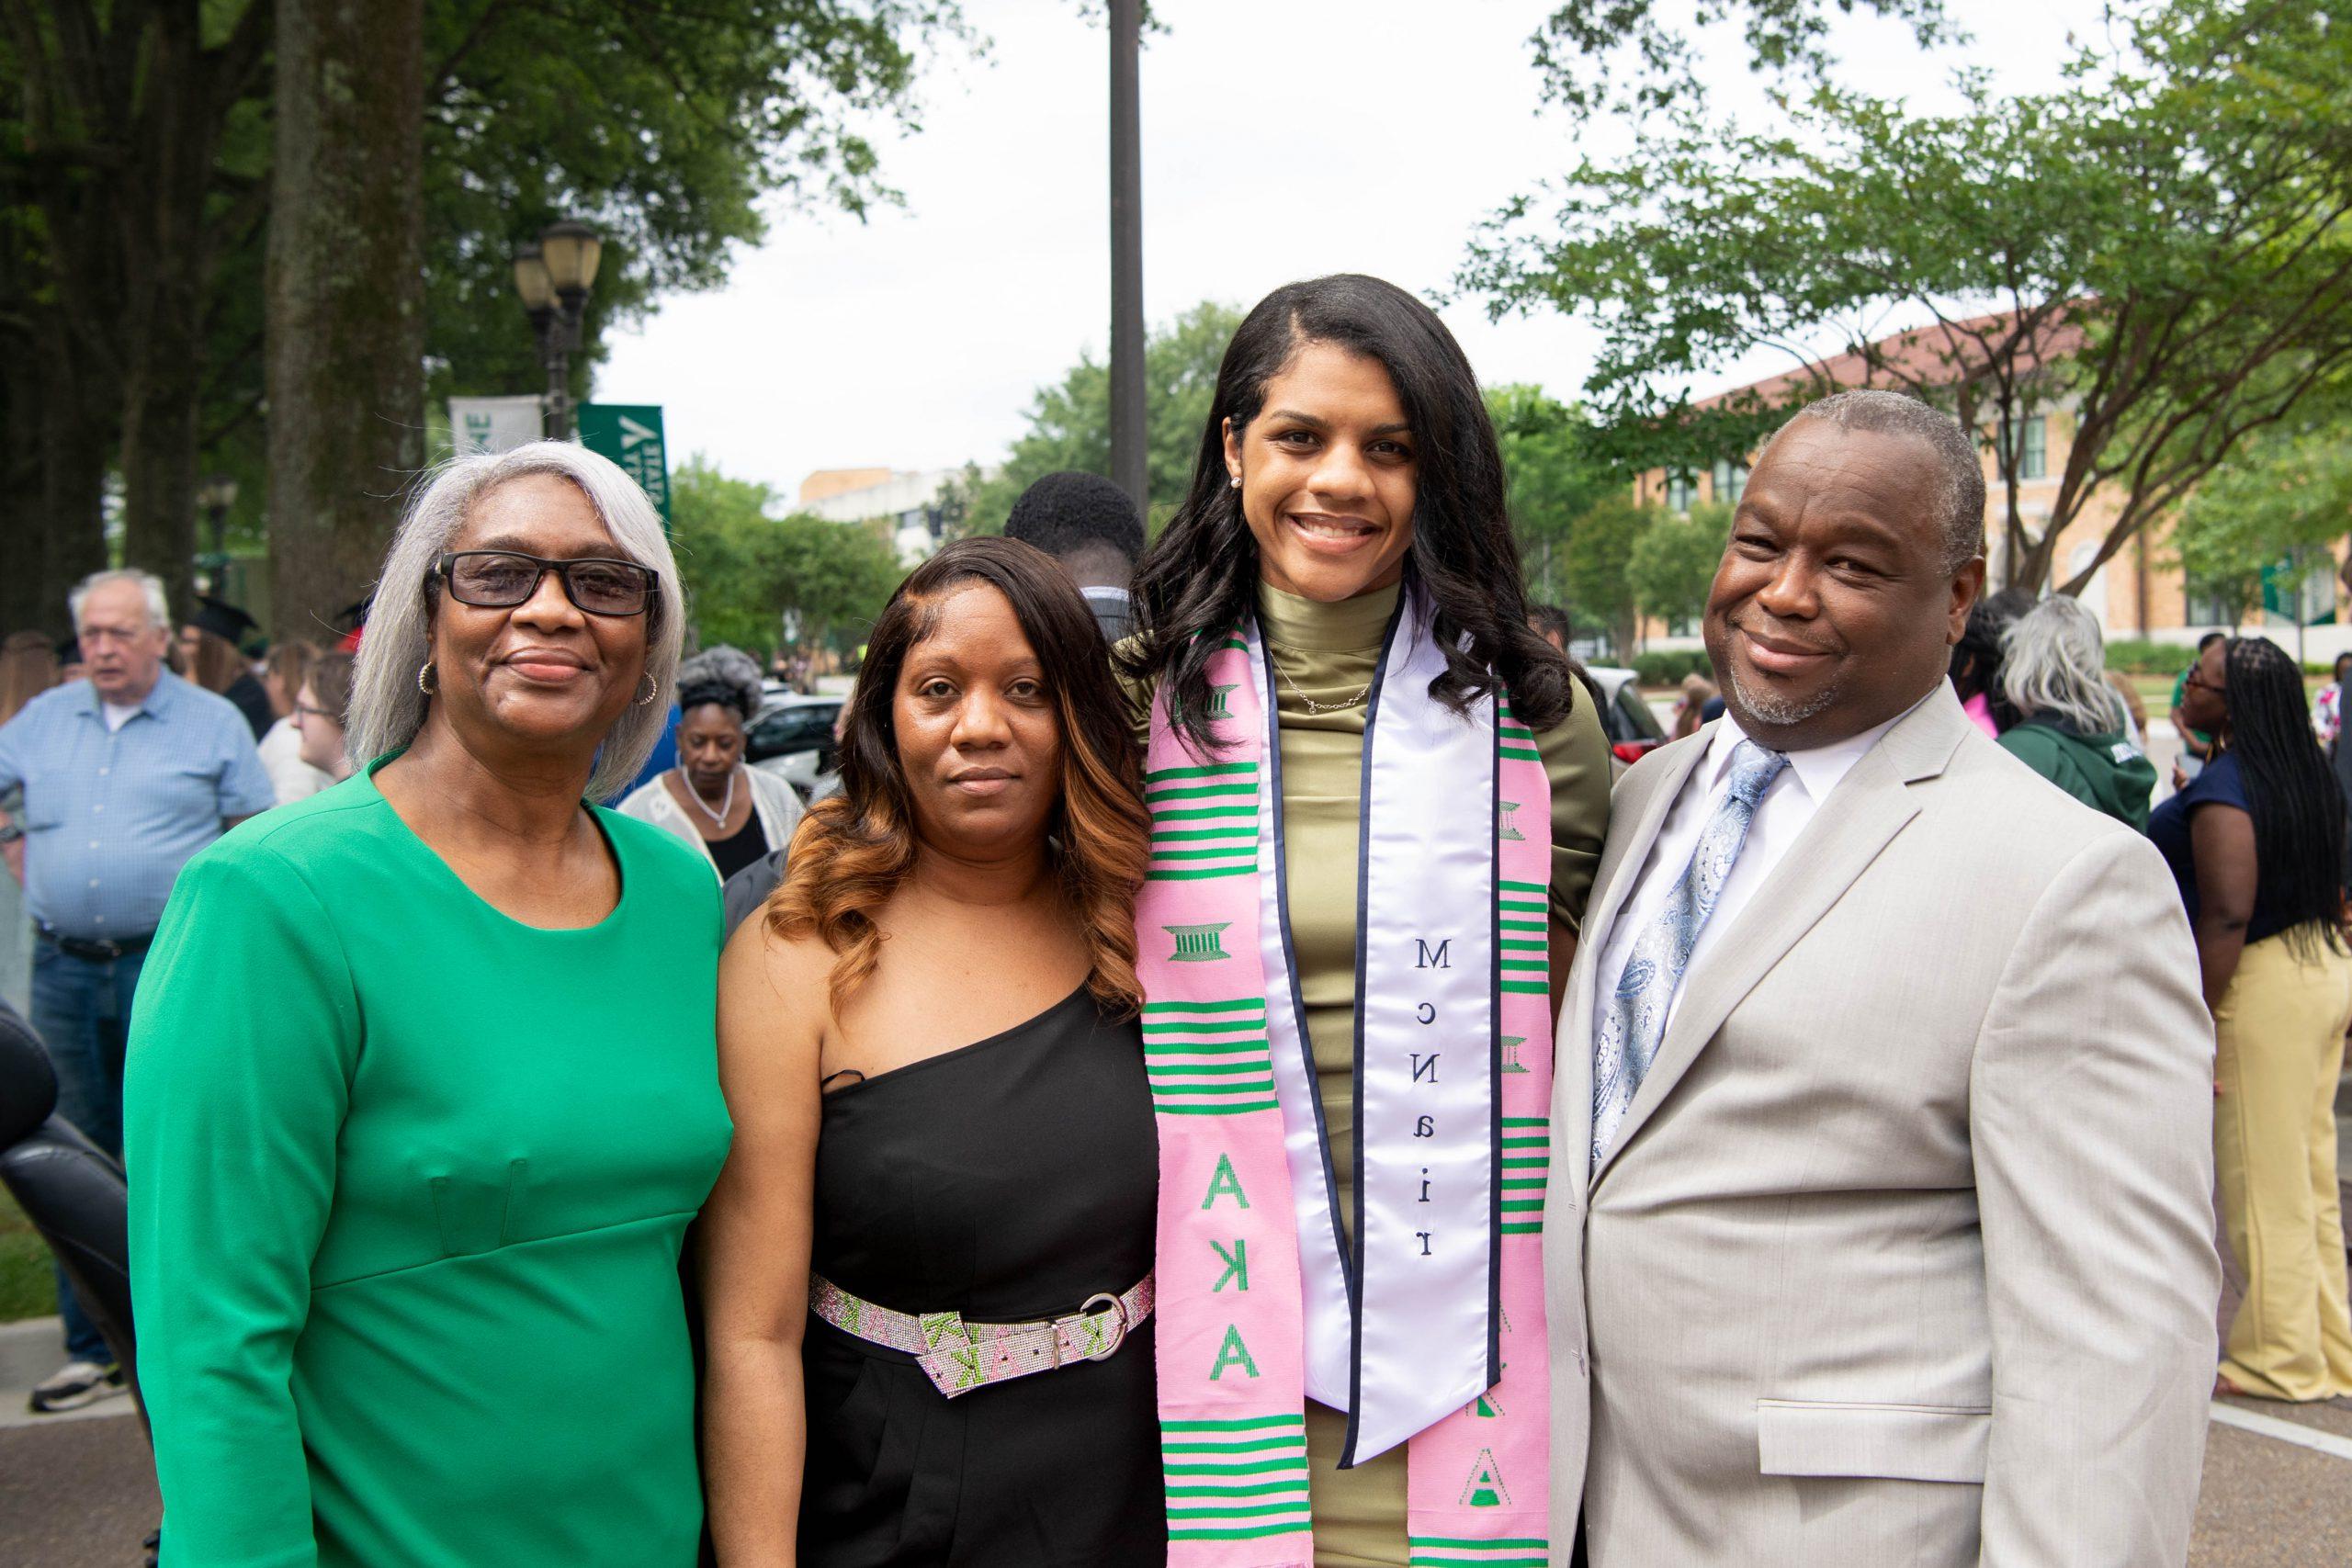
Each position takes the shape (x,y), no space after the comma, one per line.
(79,1494)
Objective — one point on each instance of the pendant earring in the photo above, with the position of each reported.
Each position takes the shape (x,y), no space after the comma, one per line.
(652,690)
(425,682)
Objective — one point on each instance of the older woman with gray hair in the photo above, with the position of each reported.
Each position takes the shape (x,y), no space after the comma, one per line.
(423,1089)
(2072,728)
(733,814)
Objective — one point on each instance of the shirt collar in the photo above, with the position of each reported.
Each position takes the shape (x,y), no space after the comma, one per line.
(1817,769)
(155,704)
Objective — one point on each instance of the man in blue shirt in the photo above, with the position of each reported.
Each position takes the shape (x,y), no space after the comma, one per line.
(126,774)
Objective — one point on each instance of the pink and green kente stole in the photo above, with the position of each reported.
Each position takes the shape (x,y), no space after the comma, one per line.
(1422,1318)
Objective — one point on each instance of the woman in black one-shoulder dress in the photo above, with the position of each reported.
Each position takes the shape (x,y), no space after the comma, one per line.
(1014,1179)
(927,1265)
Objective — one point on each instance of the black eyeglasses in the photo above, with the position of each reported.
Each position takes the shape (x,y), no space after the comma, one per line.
(500,579)
(304,710)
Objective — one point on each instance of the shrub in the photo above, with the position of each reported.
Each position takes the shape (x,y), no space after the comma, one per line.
(1666,667)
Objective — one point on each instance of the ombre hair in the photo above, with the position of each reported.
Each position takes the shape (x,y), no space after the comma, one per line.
(388,704)
(854,851)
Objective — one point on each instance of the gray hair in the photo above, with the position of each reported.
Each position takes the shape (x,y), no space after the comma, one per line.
(150,588)
(1959,490)
(2053,665)
(727,676)
(388,704)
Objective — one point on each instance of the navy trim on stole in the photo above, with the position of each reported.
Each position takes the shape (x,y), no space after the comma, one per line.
(1363,883)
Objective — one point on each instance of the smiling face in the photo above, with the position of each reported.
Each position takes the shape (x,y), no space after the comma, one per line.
(978,737)
(1832,611)
(543,673)
(1329,476)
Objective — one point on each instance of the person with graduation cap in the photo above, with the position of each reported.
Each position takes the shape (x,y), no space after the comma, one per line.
(210,652)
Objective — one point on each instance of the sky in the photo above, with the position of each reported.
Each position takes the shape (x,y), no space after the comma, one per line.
(1282,139)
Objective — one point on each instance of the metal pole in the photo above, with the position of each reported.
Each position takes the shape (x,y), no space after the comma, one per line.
(1126,254)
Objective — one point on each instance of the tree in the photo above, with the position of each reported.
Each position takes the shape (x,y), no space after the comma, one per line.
(2282,497)
(128,182)
(1671,567)
(745,569)
(345,298)
(135,192)
(1556,481)
(1624,57)
(1069,424)
(2162,250)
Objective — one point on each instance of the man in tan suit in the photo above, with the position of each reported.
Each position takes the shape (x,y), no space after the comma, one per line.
(1882,1149)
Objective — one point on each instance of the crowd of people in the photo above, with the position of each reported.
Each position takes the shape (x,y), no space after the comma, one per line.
(1236,1074)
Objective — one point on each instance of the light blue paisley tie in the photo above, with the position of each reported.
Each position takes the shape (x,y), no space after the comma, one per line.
(1635,1024)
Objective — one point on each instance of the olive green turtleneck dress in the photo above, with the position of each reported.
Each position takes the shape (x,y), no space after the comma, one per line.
(1328,652)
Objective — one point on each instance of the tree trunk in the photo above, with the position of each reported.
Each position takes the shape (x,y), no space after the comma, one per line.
(77,439)
(166,266)
(345,351)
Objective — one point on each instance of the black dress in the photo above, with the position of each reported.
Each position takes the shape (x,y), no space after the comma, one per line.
(1008,1180)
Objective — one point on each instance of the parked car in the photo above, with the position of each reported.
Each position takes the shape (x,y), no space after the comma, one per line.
(1633,730)
(793,738)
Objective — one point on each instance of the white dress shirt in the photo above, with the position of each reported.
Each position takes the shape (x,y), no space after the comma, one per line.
(1788,805)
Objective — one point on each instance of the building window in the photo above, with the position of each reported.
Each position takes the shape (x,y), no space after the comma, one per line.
(1682,489)
(1731,481)
(2033,436)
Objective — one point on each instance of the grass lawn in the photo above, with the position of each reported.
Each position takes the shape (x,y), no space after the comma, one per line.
(27,1288)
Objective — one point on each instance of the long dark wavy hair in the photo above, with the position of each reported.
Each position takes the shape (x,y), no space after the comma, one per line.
(1201,576)
(2297,806)
(851,851)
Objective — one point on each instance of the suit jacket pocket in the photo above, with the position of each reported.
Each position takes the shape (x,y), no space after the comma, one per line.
(1899,1442)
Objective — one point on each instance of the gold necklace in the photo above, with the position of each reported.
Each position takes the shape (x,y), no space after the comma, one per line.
(1311,705)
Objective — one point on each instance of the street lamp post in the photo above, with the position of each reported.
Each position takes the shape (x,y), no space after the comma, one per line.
(1127,469)
(553,276)
(214,497)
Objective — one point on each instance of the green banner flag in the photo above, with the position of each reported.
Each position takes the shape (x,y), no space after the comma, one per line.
(630,435)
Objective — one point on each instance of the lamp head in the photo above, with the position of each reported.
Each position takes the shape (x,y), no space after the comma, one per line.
(531,280)
(571,251)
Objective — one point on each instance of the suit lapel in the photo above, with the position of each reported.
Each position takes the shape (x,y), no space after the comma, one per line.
(1861,817)
(1648,797)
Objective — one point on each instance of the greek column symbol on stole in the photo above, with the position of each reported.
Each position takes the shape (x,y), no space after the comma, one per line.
(1504,829)
(1512,1042)
(1198,944)
(1218,697)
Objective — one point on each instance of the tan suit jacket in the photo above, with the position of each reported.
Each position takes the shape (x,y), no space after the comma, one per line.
(1903,1256)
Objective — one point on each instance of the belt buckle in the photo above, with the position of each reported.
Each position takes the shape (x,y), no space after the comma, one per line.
(1114,1335)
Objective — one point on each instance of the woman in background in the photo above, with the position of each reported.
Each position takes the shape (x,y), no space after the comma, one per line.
(1976,665)
(320,706)
(2256,843)
(2070,727)
(211,656)
(283,673)
(27,668)
(730,813)
(1697,692)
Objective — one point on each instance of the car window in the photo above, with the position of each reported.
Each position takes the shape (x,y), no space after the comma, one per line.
(1635,716)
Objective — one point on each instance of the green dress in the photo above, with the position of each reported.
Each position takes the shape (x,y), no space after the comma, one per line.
(1328,652)
(408,1184)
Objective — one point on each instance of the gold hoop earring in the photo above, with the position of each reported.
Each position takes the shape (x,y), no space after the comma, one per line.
(652,690)
(425,679)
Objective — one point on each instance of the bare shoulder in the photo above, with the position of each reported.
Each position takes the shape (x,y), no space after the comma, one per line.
(774,997)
